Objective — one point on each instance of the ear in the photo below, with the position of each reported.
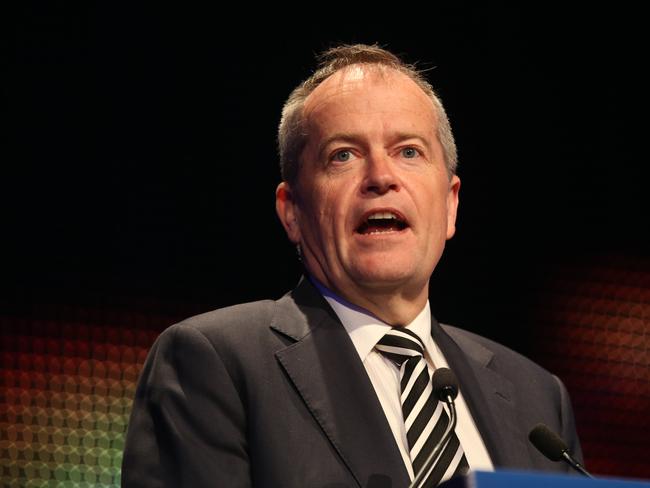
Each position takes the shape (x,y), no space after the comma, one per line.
(452,205)
(287,210)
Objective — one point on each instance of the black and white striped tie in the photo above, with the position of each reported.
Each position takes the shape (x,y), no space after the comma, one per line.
(425,418)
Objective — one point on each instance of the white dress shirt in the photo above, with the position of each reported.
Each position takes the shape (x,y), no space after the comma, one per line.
(365,330)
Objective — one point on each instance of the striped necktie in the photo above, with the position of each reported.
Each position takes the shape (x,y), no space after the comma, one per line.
(425,418)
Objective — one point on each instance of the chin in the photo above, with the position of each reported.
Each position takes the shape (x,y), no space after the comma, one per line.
(391,270)
(384,275)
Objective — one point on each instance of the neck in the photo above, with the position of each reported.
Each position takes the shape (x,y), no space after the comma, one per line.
(394,307)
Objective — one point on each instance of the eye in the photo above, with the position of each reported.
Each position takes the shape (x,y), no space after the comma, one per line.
(342,156)
(410,152)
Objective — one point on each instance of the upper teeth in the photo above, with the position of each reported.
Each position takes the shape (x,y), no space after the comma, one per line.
(382,215)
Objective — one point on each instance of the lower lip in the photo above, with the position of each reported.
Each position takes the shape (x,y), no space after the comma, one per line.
(385,234)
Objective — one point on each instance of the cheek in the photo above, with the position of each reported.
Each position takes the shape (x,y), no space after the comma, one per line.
(323,203)
(328,201)
(316,212)
(435,213)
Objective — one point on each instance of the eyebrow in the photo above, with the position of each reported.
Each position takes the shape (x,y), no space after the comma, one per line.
(357,138)
(339,136)
(403,136)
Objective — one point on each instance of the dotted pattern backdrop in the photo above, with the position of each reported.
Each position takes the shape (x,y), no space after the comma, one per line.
(65,398)
(68,376)
(593,330)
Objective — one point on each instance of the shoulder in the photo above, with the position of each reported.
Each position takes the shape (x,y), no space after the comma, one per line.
(466,339)
(239,338)
(498,357)
(225,331)
(241,317)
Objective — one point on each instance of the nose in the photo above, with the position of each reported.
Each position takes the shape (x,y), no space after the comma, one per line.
(380,176)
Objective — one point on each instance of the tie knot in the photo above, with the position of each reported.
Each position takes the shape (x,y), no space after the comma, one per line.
(400,344)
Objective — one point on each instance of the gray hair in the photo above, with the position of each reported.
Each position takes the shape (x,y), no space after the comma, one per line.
(292,135)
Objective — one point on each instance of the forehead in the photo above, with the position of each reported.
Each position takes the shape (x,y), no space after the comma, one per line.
(368,90)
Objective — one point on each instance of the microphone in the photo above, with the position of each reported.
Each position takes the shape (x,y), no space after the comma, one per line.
(445,388)
(445,385)
(553,447)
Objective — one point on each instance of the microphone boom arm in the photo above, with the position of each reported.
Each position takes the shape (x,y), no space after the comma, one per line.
(428,464)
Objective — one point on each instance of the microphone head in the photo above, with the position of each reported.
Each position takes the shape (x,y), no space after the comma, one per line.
(547,442)
(444,384)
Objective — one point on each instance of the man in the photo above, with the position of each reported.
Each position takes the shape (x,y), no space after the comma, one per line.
(329,386)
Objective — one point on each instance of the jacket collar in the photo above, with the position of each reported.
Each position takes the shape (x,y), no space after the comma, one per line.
(326,370)
(329,376)
(490,397)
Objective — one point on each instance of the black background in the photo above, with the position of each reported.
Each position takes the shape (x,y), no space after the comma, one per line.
(141,162)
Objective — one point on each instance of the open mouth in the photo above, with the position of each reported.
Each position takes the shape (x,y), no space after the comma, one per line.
(382,222)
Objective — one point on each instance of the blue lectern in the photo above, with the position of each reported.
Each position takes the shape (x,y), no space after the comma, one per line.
(525,479)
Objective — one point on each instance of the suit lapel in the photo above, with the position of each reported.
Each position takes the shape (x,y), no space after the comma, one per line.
(489,396)
(326,370)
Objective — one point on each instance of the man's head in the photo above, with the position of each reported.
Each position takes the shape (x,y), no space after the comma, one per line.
(372,197)
(292,134)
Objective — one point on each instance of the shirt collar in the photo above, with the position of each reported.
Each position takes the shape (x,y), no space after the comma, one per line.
(365,329)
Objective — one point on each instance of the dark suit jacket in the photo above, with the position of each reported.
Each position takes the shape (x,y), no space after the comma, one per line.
(273,393)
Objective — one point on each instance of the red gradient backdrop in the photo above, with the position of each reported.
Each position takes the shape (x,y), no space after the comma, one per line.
(593,330)
(68,376)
